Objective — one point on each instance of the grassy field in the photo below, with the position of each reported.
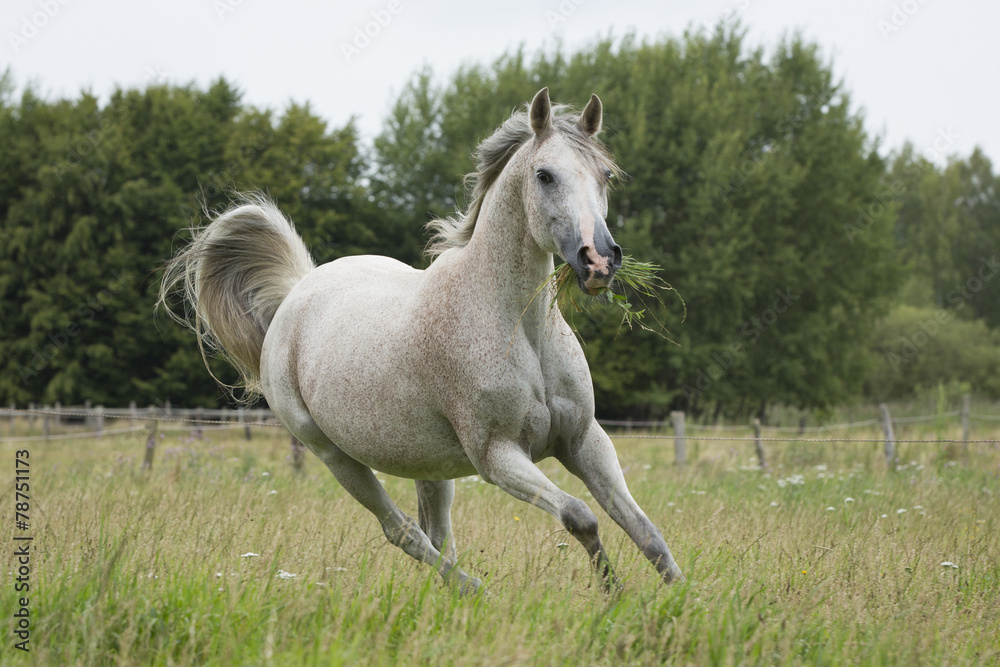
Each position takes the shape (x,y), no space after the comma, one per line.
(827,559)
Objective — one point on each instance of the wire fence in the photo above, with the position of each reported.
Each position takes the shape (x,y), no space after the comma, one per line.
(224,419)
(168,418)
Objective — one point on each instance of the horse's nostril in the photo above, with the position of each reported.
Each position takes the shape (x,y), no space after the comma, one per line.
(618,256)
(584,257)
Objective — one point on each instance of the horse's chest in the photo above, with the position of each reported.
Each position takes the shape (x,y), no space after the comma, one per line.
(536,431)
(553,416)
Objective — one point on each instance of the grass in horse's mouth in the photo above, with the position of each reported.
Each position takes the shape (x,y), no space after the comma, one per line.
(634,281)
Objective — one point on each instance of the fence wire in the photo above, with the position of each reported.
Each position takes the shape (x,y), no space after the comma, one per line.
(215,424)
(808,440)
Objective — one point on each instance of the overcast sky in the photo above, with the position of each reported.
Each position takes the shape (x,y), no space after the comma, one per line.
(923,70)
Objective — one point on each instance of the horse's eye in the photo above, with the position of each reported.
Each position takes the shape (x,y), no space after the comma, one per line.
(544,175)
(608,175)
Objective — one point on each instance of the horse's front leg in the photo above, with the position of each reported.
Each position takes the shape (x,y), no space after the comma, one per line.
(505,464)
(596,464)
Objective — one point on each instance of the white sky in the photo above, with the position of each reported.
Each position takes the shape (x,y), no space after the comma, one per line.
(935,75)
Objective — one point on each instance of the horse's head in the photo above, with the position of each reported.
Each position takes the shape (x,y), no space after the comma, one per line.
(566,192)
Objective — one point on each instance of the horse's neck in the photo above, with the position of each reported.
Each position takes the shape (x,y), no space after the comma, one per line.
(503,257)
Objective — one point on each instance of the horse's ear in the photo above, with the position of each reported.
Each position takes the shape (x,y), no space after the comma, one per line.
(541,112)
(590,119)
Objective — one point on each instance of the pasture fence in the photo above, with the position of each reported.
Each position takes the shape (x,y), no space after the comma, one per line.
(60,422)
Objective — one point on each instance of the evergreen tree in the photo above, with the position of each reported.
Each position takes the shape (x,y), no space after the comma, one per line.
(94,198)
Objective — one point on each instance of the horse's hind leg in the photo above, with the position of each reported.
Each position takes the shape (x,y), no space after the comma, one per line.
(509,467)
(596,464)
(400,529)
(434,500)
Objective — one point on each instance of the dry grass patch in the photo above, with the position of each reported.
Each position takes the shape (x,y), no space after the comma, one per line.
(811,562)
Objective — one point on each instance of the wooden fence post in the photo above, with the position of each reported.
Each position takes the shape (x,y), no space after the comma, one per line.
(890,438)
(240,418)
(680,446)
(966,411)
(12,415)
(131,413)
(758,445)
(147,461)
(99,419)
(46,422)
(298,454)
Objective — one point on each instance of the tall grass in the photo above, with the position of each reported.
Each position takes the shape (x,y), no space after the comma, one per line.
(809,563)
(634,281)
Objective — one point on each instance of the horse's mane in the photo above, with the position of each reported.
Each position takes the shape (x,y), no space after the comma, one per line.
(493,154)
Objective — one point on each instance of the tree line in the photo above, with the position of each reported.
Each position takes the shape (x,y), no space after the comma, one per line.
(815,269)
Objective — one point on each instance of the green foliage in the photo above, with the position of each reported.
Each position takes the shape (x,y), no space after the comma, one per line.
(915,350)
(92,199)
(751,182)
(948,230)
(633,281)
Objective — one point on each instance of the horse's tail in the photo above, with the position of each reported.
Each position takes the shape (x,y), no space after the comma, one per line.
(233,276)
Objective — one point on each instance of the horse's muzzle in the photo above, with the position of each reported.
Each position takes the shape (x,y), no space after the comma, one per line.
(595,267)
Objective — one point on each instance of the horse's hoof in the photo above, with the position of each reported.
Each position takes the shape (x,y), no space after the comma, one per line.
(613,588)
(470,587)
(673,576)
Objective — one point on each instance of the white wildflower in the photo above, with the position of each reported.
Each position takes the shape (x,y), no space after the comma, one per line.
(797,480)
(286,575)
(249,554)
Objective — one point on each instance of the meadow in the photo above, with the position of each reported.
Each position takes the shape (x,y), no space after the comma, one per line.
(224,554)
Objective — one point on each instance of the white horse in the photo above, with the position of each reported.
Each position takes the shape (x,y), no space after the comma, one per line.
(437,374)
